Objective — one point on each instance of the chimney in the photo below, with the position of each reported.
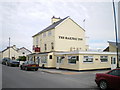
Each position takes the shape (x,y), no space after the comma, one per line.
(54,19)
(14,46)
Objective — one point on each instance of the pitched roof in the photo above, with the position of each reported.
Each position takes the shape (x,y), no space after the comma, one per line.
(52,26)
(114,44)
(25,49)
(8,48)
(16,49)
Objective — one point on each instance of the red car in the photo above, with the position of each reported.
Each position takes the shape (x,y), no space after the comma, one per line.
(29,65)
(107,80)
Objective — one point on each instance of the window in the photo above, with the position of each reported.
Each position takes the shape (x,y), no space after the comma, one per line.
(44,59)
(36,40)
(115,72)
(38,60)
(60,59)
(88,59)
(113,60)
(73,59)
(31,58)
(45,47)
(23,53)
(104,58)
(50,57)
(44,34)
(52,46)
(49,33)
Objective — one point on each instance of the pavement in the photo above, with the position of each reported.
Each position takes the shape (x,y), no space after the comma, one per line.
(69,72)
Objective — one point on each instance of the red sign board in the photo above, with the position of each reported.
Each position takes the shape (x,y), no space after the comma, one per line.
(37,49)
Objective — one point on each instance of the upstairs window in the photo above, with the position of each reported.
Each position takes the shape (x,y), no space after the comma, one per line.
(44,34)
(52,45)
(104,58)
(49,33)
(45,46)
(36,40)
(88,59)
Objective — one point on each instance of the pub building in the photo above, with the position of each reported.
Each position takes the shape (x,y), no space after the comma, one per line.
(62,45)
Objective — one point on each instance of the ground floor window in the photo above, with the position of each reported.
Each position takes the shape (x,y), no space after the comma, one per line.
(103,58)
(44,59)
(31,58)
(60,59)
(88,59)
(38,60)
(73,59)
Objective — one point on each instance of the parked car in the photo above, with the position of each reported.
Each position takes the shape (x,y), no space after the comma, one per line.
(5,60)
(13,63)
(108,80)
(29,65)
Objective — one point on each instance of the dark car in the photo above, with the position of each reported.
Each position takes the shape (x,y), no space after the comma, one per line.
(13,63)
(29,65)
(109,80)
(5,61)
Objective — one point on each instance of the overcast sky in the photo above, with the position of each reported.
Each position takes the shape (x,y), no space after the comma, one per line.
(21,20)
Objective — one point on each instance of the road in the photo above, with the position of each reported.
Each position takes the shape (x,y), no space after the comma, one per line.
(13,77)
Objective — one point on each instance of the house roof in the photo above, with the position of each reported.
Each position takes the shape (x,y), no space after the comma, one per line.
(16,49)
(25,49)
(8,48)
(114,44)
(52,26)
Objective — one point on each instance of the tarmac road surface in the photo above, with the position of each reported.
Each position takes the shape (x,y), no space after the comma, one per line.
(13,77)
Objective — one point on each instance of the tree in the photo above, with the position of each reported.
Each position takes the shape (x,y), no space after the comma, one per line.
(22,58)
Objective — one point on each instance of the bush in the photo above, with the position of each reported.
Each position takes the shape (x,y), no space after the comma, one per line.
(22,58)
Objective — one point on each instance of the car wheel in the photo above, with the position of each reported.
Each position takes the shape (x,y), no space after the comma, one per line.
(103,85)
(21,68)
(36,69)
(26,68)
(7,64)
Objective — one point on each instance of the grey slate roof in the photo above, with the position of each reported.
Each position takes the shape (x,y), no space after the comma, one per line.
(51,26)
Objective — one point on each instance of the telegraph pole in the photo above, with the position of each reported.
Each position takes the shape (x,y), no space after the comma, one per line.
(116,33)
(84,23)
(9,47)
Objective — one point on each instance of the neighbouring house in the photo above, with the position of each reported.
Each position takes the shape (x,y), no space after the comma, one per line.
(112,47)
(14,52)
(0,55)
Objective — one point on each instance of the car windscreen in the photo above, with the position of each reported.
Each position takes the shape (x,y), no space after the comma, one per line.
(115,72)
(31,62)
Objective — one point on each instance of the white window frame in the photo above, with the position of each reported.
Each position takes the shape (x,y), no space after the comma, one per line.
(44,58)
(71,57)
(49,33)
(88,59)
(52,46)
(44,34)
(103,57)
(36,40)
(60,58)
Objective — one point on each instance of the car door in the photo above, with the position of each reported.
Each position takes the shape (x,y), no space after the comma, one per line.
(114,78)
(25,64)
